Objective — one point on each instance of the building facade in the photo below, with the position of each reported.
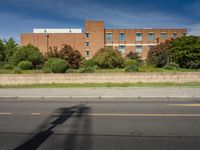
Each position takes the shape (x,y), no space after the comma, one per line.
(96,36)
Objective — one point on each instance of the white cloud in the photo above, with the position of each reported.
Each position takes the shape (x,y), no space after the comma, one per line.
(194,29)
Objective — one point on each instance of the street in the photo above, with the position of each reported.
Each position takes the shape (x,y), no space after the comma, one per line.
(100,125)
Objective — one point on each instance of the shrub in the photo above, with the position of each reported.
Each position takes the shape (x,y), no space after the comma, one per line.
(46,70)
(17,70)
(70,70)
(133,55)
(25,65)
(87,70)
(8,66)
(131,65)
(171,66)
(59,66)
(27,53)
(89,63)
(47,64)
(109,58)
(193,64)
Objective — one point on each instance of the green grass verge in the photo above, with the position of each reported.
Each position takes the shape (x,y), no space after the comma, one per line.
(76,85)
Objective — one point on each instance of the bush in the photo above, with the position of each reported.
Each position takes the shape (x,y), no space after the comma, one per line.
(193,64)
(17,70)
(46,70)
(8,66)
(135,56)
(171,66)
(59,66)
(27,53)
(70,70)
(131,65)
(87,70)
(108,58)
(25,65)
(89,63)
(47,64)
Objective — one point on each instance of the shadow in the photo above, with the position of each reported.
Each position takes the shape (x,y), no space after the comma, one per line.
(79,139)
(46,129)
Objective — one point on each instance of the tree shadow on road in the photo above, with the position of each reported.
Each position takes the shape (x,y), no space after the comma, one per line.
(46,129)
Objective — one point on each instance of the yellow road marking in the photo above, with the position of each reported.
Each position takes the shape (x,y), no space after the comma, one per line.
(185,105)
(35,114)
(5,113)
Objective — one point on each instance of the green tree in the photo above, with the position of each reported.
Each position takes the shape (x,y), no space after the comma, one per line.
(27,53)
(2,51)
(10,47)
(185,51)
(109,58)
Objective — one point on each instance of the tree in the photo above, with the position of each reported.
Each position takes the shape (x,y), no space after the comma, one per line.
(10,47)
(134,56)
(73,57)
(27,53)
(109,58)
(159,54)
(185,51)
(2,51)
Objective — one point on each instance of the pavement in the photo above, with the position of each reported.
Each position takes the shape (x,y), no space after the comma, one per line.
(100,93)
(96,125)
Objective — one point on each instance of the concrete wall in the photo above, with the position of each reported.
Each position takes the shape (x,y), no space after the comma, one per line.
(11,79)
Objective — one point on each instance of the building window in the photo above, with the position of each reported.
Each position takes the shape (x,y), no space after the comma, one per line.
(138,49)
(108,36)
(122,48)
(122,36)
(87,35)
(151,37)
(87,44)
(87,53)
(174,35)
(138,36)
(163,35)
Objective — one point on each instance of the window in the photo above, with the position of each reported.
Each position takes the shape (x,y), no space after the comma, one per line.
(108,36)
(138,49)
(87,35)
(122,36)
(87,53)
(138,36)
(87,43)
(174,35)
(184,34)
(163,35)
(151,37)
(122,48)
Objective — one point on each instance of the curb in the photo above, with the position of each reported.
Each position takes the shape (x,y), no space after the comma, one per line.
(94,98)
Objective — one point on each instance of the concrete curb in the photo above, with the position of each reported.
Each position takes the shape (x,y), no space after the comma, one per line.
(93,98)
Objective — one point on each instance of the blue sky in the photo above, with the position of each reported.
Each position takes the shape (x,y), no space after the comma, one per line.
(18,16)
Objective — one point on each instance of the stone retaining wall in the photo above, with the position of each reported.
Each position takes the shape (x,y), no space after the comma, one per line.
(180,77)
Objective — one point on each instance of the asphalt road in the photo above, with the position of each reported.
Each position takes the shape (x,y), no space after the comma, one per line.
(128,125)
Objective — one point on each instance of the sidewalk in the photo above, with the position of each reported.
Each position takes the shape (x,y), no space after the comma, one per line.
(101,93)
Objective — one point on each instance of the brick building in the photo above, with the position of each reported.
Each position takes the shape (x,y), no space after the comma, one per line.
(96,36)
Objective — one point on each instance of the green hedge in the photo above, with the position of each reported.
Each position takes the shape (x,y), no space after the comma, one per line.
(25,65)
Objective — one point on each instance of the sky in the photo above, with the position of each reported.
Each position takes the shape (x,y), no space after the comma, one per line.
(19,16)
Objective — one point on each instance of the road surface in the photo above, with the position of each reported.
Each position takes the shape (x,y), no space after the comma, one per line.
(95,125)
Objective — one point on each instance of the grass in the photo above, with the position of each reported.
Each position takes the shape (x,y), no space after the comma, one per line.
(77,85)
